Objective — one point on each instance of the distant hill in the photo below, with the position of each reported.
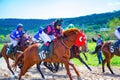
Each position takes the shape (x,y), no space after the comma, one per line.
(94,20)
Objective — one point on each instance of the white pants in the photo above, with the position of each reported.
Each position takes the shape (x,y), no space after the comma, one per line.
(117,34)
(45,37)
(52,37)
(14,42)
(35,40)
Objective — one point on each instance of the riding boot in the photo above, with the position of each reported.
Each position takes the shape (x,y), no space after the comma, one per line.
(14,49)
(9,49)
(46,50)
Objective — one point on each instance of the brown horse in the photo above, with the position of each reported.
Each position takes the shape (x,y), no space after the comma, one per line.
(108,55)
(23,44)
(74,49)
(61,53)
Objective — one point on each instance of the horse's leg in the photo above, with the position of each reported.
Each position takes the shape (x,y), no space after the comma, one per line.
(49,66)
(68,70)
(108,65)
(38,67)
(23,70)
(85,56)
(78,75)
(56,67)
(8,65)
(81,60)
(103,64)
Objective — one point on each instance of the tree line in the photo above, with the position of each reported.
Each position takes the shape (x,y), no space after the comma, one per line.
(92,24)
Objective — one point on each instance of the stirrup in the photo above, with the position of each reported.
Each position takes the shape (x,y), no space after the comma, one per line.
(46,52)
(7,51)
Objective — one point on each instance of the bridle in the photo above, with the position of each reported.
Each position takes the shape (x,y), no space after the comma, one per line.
(62,41)
(65,44)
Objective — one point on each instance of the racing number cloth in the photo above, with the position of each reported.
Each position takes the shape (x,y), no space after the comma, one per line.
(81,39)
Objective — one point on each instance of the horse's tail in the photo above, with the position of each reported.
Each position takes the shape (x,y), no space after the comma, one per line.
(0,54)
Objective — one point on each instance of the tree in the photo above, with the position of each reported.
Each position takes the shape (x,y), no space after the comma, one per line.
(113,24)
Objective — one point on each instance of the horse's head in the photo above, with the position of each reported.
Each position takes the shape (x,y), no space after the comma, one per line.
(71,33)
(83,48)
(24,42)
(76,36)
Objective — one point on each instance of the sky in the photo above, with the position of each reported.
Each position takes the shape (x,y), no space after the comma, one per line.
(46,9)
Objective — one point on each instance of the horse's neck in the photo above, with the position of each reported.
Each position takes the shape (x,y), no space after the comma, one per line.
(68,42)
(22,45)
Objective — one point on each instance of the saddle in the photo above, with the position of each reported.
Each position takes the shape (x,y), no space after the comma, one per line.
(10,50)
(114,47)
(42,55)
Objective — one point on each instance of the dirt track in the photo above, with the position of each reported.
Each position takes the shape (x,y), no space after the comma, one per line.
(33,74)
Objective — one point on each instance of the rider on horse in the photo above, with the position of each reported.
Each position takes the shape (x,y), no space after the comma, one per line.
(48,34)
(117,34)
(15,37)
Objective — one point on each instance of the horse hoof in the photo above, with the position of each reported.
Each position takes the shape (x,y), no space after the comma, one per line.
(113,73)
(90,69)
(15,77)
(79,78)
(43,79)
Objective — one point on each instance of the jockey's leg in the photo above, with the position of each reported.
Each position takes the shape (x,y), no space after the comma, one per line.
(14,46)
(46,40)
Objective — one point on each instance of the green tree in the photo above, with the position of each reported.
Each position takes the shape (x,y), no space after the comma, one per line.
(113,24)
(2,38)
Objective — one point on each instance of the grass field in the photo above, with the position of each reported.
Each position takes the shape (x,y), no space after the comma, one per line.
(92,59)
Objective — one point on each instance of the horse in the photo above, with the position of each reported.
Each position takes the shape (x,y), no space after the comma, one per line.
(61,53)
(22,45)
(108,55)
(55,66)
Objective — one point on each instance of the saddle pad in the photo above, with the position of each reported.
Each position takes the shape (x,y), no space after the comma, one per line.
(113,48)
(41,53)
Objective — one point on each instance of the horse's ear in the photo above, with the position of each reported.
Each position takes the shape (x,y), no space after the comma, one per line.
(76,32)
(81,30)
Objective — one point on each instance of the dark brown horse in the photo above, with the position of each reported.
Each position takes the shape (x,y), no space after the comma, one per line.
(61,53)
(23,44)
(108,55)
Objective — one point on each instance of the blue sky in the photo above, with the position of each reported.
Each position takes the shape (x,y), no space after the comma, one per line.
(44,9)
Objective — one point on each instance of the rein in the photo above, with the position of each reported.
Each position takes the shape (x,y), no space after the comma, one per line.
(65,44)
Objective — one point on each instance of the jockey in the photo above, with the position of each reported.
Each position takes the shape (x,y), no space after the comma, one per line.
(117,34)
(36,37)
(16,35)
(48,34)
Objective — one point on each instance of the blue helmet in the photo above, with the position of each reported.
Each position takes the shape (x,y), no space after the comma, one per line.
(40,30)
(19,25)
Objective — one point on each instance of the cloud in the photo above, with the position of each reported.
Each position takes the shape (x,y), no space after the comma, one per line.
(114,4)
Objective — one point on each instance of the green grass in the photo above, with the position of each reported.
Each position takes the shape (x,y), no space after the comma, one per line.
(92,59)
(1,45)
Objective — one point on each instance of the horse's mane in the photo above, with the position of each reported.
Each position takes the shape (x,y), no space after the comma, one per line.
(68,32)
